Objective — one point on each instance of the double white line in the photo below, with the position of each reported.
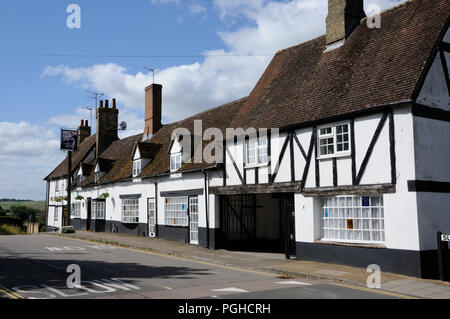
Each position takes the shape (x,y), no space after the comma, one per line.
(11,294)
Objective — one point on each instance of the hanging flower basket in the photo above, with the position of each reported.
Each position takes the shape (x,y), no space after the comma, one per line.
(104,195)
(79,197)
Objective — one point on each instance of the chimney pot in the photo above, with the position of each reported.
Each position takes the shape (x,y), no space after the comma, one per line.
(106,103)
(86,123)
(113,103)
(82,123)
(101,104)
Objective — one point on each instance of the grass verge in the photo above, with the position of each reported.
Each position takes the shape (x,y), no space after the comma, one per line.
(11,230)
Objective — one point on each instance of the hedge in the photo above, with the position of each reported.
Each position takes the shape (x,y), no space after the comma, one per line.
(8,220)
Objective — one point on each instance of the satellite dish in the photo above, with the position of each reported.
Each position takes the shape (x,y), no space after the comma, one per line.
(123,126)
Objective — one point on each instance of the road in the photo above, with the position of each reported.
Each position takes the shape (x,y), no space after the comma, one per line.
(35,267)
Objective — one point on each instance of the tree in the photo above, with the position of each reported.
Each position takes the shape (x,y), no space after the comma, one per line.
(24,212)
(2,211)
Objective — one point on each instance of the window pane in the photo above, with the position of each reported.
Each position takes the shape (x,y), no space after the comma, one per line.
(346,218)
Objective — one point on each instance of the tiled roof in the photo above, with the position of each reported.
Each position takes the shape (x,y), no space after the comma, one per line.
(374,67)
(116,161)
(77,156)
(219,117)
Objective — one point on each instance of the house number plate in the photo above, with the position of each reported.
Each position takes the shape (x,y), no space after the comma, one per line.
(445,237)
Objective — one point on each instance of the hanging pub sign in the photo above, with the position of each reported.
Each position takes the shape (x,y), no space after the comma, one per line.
(69,140)
(445,237)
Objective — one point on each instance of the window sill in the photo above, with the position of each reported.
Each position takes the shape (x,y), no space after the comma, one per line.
(256,166)
(348,244)
(325,157)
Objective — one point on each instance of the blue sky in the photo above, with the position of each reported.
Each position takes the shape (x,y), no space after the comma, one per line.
(195,45)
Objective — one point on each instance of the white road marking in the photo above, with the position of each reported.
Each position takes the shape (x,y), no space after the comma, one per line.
(293,282)
(230,289)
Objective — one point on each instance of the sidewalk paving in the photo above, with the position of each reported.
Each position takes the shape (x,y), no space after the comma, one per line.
(275,263)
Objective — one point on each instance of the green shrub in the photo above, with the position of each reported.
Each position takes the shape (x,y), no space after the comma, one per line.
(24,212)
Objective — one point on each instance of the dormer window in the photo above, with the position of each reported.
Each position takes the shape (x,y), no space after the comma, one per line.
(137,167)
(334,140)
(175,161)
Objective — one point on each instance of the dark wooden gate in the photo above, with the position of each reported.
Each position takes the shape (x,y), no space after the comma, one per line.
(238,219)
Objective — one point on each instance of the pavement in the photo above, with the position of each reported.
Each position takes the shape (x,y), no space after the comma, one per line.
(275,264)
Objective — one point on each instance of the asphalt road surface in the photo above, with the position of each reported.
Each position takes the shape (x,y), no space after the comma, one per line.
(36,267)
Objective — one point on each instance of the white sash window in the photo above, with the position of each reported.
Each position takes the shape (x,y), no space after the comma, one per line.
(257,151)
(175,162)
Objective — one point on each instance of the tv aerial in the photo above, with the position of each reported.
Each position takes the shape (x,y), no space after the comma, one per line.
(151,70)
(94,96)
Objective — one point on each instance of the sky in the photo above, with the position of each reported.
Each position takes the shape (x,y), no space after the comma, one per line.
(205,53)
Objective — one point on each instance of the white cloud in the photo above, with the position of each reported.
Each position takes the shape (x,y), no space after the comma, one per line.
(27,153)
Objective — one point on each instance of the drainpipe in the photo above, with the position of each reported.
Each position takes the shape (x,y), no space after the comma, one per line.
(206,207)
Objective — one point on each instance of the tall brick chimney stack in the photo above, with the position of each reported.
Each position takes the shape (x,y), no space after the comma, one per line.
(84,131)
(343,17)
(107,127)
(153,102)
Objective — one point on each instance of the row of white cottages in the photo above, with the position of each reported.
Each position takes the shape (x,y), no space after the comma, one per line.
(350,163)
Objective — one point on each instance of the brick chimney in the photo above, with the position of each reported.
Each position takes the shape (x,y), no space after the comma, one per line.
(153,100)
(84,131)
(107,126)
(343,17)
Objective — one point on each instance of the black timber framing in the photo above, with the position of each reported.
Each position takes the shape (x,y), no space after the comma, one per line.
(445,46)
(428,186)
(393,159)
(245,156)
(371,147)
(291,153)
(257,168)
(309,157)
(316,157)
(430,61)
(300,147)
(287,187)
(430,112)
(335,173)
(353,150)
(235,166)
(224,157)
(269,153)
(280,158)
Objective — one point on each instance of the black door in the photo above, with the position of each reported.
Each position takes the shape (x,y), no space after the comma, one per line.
(88,208)
(288,213)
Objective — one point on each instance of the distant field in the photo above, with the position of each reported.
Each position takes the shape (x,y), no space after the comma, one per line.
(38,205)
